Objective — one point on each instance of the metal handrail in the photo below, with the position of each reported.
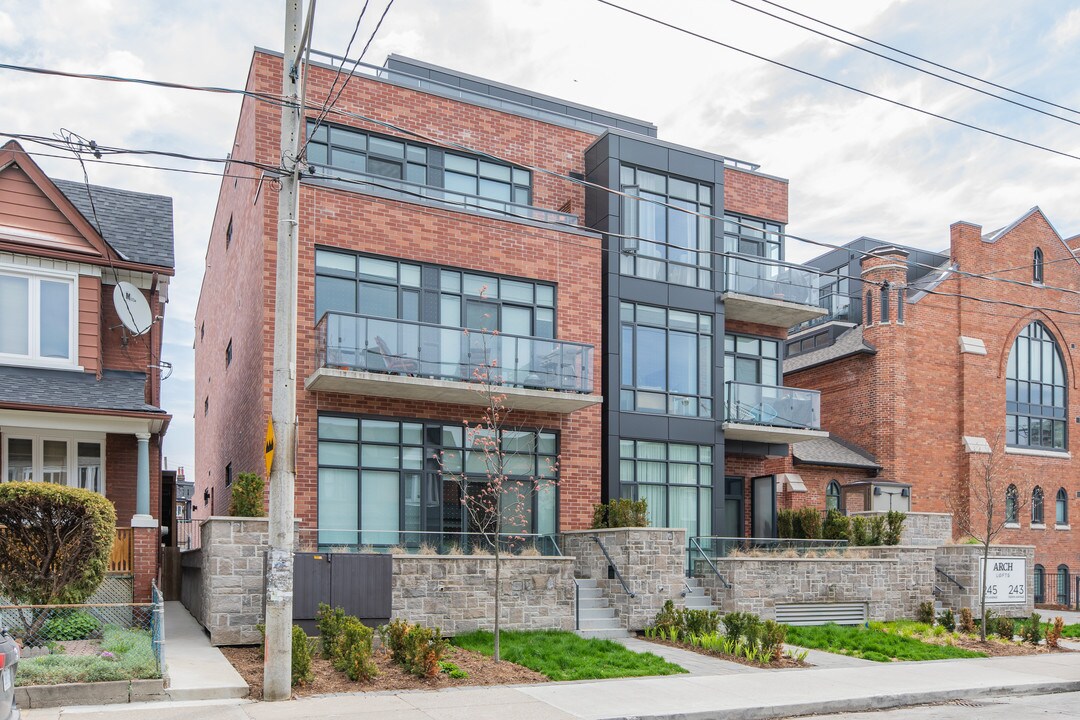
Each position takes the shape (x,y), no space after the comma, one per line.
(949,577)
(716,570)
(611,564)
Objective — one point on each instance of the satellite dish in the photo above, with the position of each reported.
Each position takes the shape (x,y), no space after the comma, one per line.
(132,308)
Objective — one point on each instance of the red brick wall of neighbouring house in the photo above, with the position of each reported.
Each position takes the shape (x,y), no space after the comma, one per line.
(237,295)
(121,468)
(817,478)
(145,549)
(913,402)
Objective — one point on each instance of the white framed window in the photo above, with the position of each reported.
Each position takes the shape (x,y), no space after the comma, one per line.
(39,322)
(64,458)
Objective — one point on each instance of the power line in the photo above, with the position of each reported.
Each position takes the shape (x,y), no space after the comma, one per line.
(922,59)
(145,167)
(904,64)
(837,83)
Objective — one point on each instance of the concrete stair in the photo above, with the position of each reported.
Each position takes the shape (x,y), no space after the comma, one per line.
(596,618)
(696,598)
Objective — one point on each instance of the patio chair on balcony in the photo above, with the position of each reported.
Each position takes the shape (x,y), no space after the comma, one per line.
(396,363)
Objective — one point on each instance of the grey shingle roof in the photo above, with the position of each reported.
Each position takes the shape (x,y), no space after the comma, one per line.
(117,389)
(833,451)
(137,225)
(850,343)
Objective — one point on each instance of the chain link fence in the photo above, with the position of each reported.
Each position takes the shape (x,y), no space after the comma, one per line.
(89,642)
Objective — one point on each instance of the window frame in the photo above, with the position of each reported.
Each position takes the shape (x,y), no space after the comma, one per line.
(1062,578)
(1038,266)
(629,394)
(830,495)
(1025,379)
(1012,505)
(1061,507)
(37,437)
(630,487)
(1038,577)
(1038,514)
(34,277)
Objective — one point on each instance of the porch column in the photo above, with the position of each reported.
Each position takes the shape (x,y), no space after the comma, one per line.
(142,478)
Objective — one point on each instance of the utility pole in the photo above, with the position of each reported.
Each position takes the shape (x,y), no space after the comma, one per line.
(277,670)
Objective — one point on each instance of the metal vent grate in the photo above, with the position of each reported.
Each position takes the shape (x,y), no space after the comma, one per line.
(822,613)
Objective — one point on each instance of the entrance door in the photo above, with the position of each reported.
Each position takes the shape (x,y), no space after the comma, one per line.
(763,507)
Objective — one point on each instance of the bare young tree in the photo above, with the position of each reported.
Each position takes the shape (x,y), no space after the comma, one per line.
(990,502)
(497,503)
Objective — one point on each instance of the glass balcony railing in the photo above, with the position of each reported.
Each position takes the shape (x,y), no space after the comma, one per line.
(406,347)
(771,279)
(408,190)
(771,405)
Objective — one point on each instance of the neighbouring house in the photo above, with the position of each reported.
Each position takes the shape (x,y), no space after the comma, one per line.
(408,240)
(80,395)
(928,365)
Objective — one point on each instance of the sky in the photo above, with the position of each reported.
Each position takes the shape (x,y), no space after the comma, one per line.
(857,165)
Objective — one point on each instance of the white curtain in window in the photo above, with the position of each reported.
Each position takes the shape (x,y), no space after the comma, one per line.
(379,503)
(337,506)
(655,497)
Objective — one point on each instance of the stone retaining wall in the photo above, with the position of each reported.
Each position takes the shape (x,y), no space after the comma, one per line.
(891,580)
(922,528)
(652,562)
(962,563)
(456,593)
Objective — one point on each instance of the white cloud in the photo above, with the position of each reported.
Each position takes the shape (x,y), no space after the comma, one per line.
(1067,31)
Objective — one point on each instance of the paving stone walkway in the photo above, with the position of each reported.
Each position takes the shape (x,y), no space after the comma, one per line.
(694,663)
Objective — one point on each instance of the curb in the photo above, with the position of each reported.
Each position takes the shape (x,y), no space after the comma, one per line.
(115,692)
(849,705)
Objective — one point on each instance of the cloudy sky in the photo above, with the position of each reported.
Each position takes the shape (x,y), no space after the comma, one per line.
(858,166)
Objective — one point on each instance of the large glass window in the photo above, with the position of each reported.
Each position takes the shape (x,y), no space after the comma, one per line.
(1035,391)
(37,323)
(667,238)
(753,360)
(750,236)
(380,482)
(674,479)
(336,150)
(666,358)
(384,287)
(64,458)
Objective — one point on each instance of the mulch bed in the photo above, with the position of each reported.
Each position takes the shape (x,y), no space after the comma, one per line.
(995,647)
(482,670)
(781,663)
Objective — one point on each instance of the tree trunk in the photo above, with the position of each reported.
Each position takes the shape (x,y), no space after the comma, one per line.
(498,593)
(982,591)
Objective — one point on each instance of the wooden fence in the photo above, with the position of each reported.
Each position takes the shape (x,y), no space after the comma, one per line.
(121,560)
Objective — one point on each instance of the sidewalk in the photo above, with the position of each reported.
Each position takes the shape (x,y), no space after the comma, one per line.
(196,669)
(743,696)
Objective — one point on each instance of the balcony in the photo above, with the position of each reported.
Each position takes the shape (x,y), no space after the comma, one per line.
(362,355)
(768,292)
(770,414)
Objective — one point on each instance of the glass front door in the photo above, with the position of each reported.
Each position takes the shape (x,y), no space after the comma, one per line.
(763,507)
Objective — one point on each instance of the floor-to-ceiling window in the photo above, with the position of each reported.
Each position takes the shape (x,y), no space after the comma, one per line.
(675,480)
(666,358)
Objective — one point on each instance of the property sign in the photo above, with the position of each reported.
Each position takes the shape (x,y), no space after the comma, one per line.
(269,446)
(1006,579)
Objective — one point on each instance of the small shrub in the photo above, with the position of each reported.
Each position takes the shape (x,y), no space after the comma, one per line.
(808,523)
(859,533)
(1004,627)
(742,625)
(894,527)
(967,622)
(773,635)
(947,620)
(329,622)
(69,624)
(301,657)
(427,548)
(247,496)
(837,526)
(1031,631)
(877,530)
(620,513)
(352,651)
(393,638)
(699,622)
(452,670)
(667,618)
(424,649)
(1054,632)
(785,523)
(926,613)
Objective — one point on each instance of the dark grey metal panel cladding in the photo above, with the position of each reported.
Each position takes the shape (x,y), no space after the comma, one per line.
(311,584)
(362,584)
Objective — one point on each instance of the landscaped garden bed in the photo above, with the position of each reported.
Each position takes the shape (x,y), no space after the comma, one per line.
(121,655)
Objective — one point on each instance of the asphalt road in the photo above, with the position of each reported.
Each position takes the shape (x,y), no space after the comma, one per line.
(1062,705)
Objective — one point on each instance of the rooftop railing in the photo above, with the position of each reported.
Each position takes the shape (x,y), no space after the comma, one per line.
(770,279)
(416,349)
(772,405)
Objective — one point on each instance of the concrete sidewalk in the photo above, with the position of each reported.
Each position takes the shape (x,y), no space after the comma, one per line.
(744,696)
(196,669)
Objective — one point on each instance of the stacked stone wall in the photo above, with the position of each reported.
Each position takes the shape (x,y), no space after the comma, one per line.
(962,563)
(922,528)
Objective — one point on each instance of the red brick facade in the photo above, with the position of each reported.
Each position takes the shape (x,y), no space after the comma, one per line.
(912,403)
(236,303)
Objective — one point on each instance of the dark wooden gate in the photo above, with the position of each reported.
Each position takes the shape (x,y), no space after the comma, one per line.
(360,585)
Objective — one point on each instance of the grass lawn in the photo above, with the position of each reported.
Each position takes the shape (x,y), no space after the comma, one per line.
(872,644)
(564,656)
(132,658)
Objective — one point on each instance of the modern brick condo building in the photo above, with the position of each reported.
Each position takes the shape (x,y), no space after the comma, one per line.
(929,366)
(640,341)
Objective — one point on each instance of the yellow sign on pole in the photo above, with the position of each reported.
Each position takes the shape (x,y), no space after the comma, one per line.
(269,446)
